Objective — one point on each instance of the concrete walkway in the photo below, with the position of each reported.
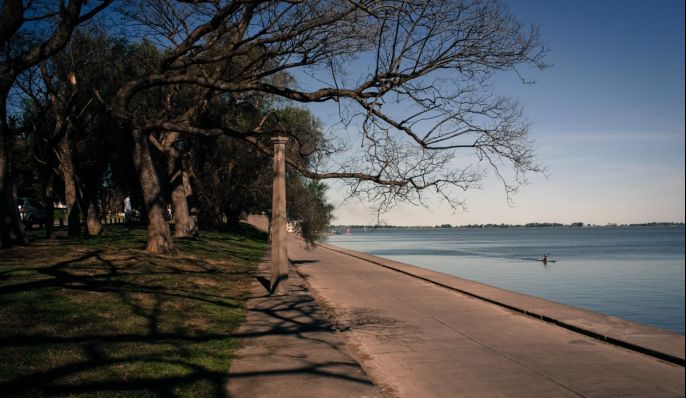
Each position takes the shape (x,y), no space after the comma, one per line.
(416,338)
(289,349)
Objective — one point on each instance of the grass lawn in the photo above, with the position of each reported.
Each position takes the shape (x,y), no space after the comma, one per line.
(100,317)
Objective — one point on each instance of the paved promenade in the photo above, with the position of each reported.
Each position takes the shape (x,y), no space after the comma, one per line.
(417,339)
(290,350)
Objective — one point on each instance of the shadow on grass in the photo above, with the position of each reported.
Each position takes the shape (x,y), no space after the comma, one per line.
(99,316)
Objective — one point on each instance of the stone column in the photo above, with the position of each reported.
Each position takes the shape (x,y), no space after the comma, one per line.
(279,274)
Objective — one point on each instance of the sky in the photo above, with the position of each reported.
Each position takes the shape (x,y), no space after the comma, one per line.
(607,119)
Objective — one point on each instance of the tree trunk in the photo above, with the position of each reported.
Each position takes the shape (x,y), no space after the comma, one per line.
(233,215)
(183,223)
(49,204)
(93,222)
(71,196)
(179,185)
(11,229)
(91,213)
(90,210)
(159,237)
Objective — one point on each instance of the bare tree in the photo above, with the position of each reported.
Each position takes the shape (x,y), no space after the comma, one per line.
(30,32)
(420,91)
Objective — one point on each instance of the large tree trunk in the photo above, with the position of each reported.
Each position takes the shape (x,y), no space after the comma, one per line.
(90,207)
(159,237)
(71,195)
(177,169)
(181,190)
(93,222)
(89,204)
(11,229)
(183,225)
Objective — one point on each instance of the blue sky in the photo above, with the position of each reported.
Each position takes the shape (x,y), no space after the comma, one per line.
(607,117)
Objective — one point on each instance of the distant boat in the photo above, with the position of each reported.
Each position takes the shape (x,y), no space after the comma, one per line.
(348,231)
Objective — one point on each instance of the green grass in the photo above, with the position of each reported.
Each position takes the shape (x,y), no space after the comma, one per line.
(99,317)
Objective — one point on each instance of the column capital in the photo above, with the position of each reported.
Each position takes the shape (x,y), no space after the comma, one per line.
(279,140)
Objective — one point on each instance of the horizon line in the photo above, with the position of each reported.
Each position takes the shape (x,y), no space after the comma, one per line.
(530,224)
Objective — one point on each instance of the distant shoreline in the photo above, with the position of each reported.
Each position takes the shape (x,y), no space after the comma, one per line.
(528,225)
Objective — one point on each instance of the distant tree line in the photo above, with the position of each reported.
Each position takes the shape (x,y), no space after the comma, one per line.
(571,225)
(527,225)
(175,102)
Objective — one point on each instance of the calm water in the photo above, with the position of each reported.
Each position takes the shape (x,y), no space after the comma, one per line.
(636,273)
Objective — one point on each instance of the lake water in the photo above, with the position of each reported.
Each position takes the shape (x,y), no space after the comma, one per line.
(635,273)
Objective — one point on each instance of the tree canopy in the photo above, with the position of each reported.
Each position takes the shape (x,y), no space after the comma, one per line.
(195,102)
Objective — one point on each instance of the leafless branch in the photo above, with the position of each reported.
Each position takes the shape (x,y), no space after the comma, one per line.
(427,95)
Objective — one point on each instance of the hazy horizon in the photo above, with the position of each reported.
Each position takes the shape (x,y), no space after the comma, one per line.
(675,223)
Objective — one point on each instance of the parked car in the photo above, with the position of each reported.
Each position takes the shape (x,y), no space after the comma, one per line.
(31,212)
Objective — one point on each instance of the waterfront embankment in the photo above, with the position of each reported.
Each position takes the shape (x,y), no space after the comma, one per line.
(422,333)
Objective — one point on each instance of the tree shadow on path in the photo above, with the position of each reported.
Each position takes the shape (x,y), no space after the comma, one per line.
(290,349)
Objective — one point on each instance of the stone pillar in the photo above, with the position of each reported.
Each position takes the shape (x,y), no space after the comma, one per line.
(279,274)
